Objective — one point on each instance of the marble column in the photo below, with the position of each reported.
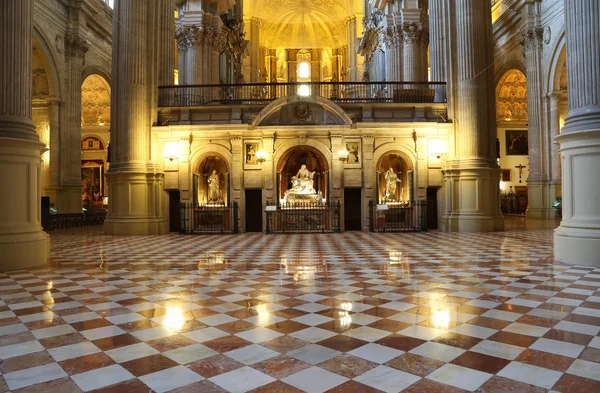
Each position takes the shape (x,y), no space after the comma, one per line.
(194,57)
(415,39)
(136,194)
(537,180)
(577,239)
(23,243)
(439,45)
(351,31)
(54,112)
(166,45)
(370,187)
(471,175)
(554,184)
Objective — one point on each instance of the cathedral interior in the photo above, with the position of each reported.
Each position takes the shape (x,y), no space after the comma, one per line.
(341,196)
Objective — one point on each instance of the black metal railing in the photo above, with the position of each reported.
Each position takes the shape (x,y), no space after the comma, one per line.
(313,217)
(207,219)
(401,217)
(74,220)
(339,92)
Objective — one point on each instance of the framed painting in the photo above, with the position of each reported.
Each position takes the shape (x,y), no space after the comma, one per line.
(250,160)
(517,143)
(354,154)
(505,174)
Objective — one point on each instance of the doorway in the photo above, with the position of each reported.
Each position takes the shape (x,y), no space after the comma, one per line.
(254,211)
(352,209)
(174,211)
(432,208)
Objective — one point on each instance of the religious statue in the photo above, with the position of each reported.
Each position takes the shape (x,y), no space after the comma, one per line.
(391,178)
(214,192)
(302,183)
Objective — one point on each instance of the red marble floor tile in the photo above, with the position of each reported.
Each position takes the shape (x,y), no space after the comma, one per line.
(556,307)
(91,324)
(398,341)
(138,325)
(574,384)
(337,326)
(236,327)
(353,387)
(342,343)
(284,344)
(227,343)
(498,384)
(60,341)
(520,340)
(153,312)
(26,361)
(3,385)
(121,340)
(287,327)
(585,319)
(389,325)
(514,308)
(415,364)
(243,313)
(290,313)
(537,321)
(593,305)
(276,387)
(546,360)
(591,354)
(191,325)
(62,385)
(457,340)
(481,362)
(472,310)
(428,386)
(9,321)
(170,343)
(72,311)
(381,312)
(113,312)
(571,337)
(148,365)
(200,387)
(281,366)
(489,323)
(86,363)
(32,310)
(348,366)
(214,365)
(131,386)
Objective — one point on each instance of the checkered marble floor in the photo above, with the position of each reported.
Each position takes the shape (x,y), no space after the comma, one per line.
(342,313)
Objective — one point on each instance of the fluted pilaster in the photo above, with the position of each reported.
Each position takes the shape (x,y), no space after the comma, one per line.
(166,43)
(439,44)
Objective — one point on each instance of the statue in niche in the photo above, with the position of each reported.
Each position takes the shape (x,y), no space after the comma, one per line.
(302,183)
(214,191)
(391,178)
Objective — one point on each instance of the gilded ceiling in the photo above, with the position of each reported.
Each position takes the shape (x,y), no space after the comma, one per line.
(302,23)
(95,102)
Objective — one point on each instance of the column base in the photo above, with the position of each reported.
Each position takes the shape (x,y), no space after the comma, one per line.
(68,198)
(577,240)
(472,198)
(135,204)
(23,243)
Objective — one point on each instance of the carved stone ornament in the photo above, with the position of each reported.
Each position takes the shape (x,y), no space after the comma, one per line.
(415,33)
(75,46)
(547,35)
(302,111)
(60,43)
(532,39)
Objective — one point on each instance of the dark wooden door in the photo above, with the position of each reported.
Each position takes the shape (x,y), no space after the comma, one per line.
(352,209)
(432,208)
(174,211)
(254,211)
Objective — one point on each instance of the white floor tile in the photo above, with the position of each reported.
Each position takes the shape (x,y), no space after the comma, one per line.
(314,380)
(533,375)
(442,352)
(171,378)
(460,377)
(34,375)
(376,353)
(387,379)
(558,347)
(131,352)
(241,380)
(251,354)
(101,377)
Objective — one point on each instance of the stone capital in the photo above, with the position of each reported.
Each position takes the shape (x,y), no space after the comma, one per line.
(533,40)
(75,45)
(414,33)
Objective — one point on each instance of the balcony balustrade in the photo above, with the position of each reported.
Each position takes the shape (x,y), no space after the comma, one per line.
(338,92)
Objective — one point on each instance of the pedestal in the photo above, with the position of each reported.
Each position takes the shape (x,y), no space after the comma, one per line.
(577,240)
(23,243)
(135,204)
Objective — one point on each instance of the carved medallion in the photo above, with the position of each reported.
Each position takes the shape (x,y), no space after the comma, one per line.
(60,44)
(547,35)
(302,111)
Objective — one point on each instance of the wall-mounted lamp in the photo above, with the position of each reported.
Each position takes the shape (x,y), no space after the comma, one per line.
(261,156)
(343,155)
(437,148)
(171,150)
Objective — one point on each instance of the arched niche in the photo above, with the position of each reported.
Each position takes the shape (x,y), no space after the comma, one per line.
(211,181)
(403,177)
(95,102)
(290,163)
(511,96)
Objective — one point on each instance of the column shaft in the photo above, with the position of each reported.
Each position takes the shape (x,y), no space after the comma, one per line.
(23,244)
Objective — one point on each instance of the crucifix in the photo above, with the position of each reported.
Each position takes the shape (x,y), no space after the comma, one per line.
(520,168)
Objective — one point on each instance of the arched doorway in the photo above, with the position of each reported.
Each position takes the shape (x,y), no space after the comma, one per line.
(95,137)
(512,134)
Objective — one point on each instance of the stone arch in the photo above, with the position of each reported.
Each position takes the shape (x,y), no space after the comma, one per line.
(557,64)
(42,44)
(511,96)
(290,144)
(509,66)
(96,70)
(95,101)
(337,113)
(290,160)
(200,152)
(96,136)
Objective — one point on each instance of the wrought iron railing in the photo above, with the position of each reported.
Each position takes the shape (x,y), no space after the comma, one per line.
(74,220)
(208,219)
(314,217)
(339,92)
(401,217)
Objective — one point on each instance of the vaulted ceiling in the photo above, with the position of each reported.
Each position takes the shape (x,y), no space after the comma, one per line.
(302,23)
